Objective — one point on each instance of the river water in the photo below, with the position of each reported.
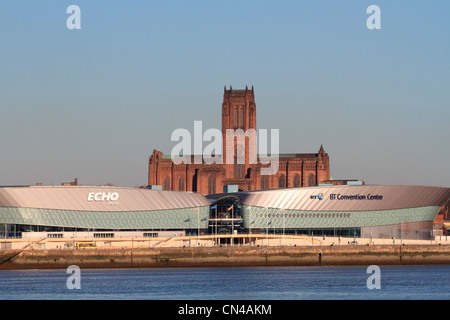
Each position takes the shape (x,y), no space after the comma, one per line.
(250,283)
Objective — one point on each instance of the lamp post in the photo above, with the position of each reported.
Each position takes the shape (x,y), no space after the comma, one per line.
(198,224)
(401,232)
(216,223)
(284,221)
(267,227)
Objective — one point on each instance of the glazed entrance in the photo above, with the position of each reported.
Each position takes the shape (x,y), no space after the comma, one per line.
(225,216)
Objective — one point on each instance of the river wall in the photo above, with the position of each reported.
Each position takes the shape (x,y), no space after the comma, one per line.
(226,257)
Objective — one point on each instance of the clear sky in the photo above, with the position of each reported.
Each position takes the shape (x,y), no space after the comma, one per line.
(94,103)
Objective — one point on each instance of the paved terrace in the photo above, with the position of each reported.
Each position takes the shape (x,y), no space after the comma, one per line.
(246,240)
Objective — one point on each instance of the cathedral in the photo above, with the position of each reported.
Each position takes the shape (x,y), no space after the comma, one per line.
(238,112)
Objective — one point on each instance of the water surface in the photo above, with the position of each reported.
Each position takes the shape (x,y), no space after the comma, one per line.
(247,283)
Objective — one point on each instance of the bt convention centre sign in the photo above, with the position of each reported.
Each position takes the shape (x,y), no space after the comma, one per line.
(338,196)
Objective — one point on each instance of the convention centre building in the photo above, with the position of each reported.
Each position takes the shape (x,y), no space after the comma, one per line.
(377,211)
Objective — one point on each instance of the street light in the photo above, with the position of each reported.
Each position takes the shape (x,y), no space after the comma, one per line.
(267,226)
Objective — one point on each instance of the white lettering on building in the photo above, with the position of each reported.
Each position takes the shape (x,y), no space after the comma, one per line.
(103,196)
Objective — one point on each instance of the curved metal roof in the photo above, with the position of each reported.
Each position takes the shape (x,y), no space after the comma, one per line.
(334,198)
(346,198)
(92,198)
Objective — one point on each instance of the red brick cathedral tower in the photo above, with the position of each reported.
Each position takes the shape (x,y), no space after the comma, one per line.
(238,112)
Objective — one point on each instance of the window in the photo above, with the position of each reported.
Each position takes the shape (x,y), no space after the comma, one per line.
(211,184)
(166,183)
(181,184)
(235,117)
(194,181)
(54,235)
(150,235)
(239,163)
(264,182)
(281,182)
(311,180)
(296,181)
(238,170)
(241,117)
(103,235)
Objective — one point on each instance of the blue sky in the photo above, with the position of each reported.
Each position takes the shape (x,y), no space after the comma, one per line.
(94,103)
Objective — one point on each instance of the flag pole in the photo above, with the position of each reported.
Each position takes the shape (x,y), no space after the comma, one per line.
(216,223)
(250,224)
(232,225)
(198,224)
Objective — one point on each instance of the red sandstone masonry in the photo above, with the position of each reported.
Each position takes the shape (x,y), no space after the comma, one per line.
(309,168)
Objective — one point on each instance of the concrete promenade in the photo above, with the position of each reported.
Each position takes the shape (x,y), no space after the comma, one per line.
(209,241)
(257,250)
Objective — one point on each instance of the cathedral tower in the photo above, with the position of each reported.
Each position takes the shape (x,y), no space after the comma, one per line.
(238,112)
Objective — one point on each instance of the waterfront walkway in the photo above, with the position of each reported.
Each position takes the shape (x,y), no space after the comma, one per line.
(242,240)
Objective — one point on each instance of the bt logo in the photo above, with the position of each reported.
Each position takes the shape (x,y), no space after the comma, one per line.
(320,196)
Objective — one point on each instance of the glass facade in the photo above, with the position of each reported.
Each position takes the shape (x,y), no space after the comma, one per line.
(257,217)
(412,222)
(14,220)
(360,211)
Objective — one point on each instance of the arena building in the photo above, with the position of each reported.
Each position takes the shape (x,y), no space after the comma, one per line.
(56,209)
(367,211)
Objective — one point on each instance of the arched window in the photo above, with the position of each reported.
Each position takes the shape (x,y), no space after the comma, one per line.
(264,182)
(211,184)
(311,180)
(249,173)
(239,163)
(239,171)
(241,117)
(296,181)
(166,183)
(181,184)
(194,181)
(235,117)
(281,182)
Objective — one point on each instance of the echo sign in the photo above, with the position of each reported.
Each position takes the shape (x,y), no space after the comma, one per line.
(103,196)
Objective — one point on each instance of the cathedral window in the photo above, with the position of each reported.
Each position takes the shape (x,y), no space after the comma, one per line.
(181,184)
(166,183)
(281,182)
(264,182)
(311,180)
(296,181)
(211,184)
(241,117)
